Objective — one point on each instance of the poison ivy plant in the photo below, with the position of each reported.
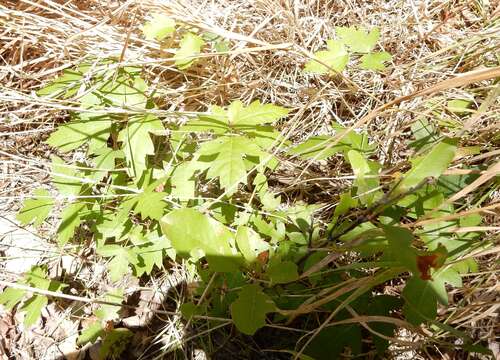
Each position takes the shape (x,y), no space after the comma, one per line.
(202,190)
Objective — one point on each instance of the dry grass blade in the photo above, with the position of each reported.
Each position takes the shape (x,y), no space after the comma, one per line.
(458,81)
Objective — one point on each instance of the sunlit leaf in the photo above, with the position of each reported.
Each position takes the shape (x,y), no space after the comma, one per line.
(433,164)
(375,61)
(189,230)
(237,116)
(183,181)
(67,84)
(150,204)
(317,147)
(250,243)
(90,334)
(77,132)
(107,311)
(33,309)
(104,162)
(366,172)
(71,218)
(37,277)
(66,178)
(128,89)
(137,143)
(36,208)
(159,27)
(121,258)
(10,297)
(358,40)
(189,47)
(336,59)
(459,106)
(225,159)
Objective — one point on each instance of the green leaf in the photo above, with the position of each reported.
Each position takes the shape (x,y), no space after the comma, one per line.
(367,181)
(33,308)
(36,277)
(115,342)
(65,178)
(159,27)
(400,249)
(316,147)
(228,164)
(421,296)
(444,275)
(189,310)
(71,218)
(432,164)
(150,254)
(10,297)
(282,272)
(107,311)
(358,40)
(183,181)
(254,114)
(250,309)
(118,266)
(190,46)
(222,46)
(74,134)
(346,202)
(113,224)
(425,134)
(250,244)
(459,106)
(382,305)
(237,116)
(150,204)
(375,61)
(127,90)
(420,301)
(137,142)
(36,208)
(336,57)
(67,84)
(104,162)
(330,342)
(266,136)
(191,231)
(90,334)
(355,141)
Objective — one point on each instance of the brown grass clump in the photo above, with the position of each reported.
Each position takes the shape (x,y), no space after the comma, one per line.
(270,40)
